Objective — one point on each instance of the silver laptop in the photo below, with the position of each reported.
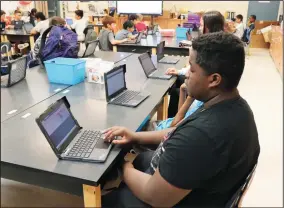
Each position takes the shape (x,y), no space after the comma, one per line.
(116,91)
(68,139)
(165,59)
(136,40)
(149,68)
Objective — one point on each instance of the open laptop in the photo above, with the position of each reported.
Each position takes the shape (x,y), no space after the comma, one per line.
(18,25)
(28,27)
(2,26)
(116,91)
(136,40)
(69,21)
(149,68)
(67,138)
(165,59)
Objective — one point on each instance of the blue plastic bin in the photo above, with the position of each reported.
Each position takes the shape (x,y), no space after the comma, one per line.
(67,71)
(181,32)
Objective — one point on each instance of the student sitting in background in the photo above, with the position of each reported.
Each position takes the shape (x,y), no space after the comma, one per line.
(106,36)
(79,25)
(42,24)
(17,22)
(134,18)
(126,32)
(32,16)
(140,25)
(3,18)
(239,28)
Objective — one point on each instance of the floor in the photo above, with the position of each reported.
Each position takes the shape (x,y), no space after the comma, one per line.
(261,86)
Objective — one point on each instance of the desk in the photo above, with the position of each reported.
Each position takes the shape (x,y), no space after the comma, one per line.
(25,94)
(111,56)
(171,46)
(27,157)
(276,50)
(17,34)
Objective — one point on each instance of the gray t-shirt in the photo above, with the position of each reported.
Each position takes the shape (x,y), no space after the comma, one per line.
(105,38)
(122,34)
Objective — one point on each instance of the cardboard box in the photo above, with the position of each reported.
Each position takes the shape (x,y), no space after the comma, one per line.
(267,33)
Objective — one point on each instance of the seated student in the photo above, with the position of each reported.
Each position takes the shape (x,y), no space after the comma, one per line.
(133,18)
(198,163)
(32,16)
(42,24)
(246,35)
(211,21)
(79,25)
(106,36)
(3,17)
(17,20)
(140,25)
(126,32)
(239,28)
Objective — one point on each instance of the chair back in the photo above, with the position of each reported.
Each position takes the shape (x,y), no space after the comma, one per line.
(91,48)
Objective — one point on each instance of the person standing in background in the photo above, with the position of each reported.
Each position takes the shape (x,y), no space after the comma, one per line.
(251,25)
(134,18)
(79,25)
(32,16)
(140,25)
(239,27)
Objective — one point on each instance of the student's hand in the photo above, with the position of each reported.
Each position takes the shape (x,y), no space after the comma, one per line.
(183,87)
(171,71)
(126,135)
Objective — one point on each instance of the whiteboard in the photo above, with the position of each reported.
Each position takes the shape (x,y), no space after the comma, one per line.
(140,7)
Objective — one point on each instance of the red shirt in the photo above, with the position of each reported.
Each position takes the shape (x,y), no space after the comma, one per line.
(141,27)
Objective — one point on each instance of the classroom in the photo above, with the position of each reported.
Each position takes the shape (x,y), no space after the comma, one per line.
(141,104)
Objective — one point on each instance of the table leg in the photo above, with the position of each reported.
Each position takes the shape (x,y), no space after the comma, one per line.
(32,42)
(92,196)
(162,113)
(114,48)
(154,51)
(4,38)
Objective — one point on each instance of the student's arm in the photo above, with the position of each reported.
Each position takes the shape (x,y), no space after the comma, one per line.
(36,29)
(182,111)
(127,136)
(113,41)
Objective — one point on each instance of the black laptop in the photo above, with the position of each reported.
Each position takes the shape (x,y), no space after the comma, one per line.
(116,91)
(2,26)
(18,25)
(149,68)
(165,59)
(68,139)
(136,40)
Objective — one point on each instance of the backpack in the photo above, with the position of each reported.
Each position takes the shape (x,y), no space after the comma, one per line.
(61,42)
(90,34)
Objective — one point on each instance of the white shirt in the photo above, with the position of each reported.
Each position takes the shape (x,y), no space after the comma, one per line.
(42,26)
(79,26)
(240,28)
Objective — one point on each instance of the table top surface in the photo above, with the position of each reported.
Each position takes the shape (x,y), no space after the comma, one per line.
(15,32)
(29,147)
(153,40)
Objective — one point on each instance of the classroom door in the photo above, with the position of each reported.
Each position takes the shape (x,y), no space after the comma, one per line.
(265,10)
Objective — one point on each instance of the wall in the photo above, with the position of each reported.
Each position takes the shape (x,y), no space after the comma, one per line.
(264,11)
(10,6)
(240,7)
(280,11)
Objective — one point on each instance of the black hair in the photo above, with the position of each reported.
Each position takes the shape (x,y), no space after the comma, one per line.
(253,16)
(33,11)
(239,16)
(132,17)
(214,21)
(128,24)
(79,13)
(233,19)
(17,12)
(2,12)
(40,15)
(221,53)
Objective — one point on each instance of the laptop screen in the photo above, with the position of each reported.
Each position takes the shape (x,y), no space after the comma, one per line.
(115,81)
(146,63)
(160,50)
(59,124)
(69,21)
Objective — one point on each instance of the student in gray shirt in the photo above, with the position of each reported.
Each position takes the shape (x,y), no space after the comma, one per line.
(126,32)
(106,36)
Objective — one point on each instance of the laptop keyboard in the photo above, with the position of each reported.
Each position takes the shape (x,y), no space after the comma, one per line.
(85,144)
(126,97)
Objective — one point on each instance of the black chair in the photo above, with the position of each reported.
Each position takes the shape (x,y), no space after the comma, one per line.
(237,197)
(90,48)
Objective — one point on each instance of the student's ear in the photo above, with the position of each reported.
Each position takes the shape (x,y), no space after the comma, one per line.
(215,80)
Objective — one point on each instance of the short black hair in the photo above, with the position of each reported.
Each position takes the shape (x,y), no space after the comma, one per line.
(79,13)
(221,53)
(33,11)
(132,17)
(17,12)
(2,12)
(253,16)
(239,16)
(214,21)
(40,15)
(128,24)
